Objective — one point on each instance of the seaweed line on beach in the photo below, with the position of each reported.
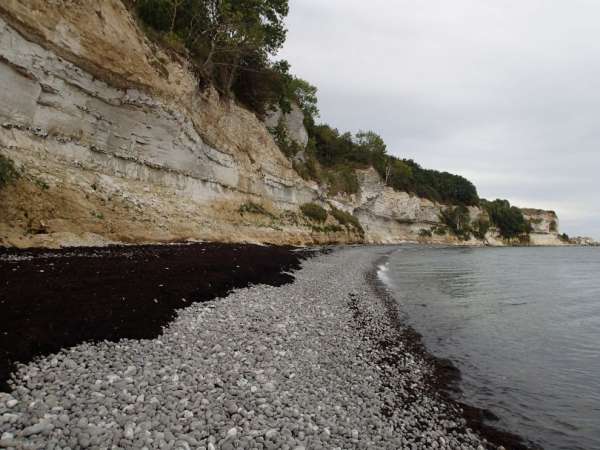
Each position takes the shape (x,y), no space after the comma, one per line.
(56,299)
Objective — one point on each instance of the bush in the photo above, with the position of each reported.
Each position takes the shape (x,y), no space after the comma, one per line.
(314,212)
(155,13)
(509,220)
(440,231)
(342,179)
(457,221)
(424,233)
(481,228)
(254,208)
(287,146)
(302,170)
(332,229)
(8,172)
(346,219)
(553,226)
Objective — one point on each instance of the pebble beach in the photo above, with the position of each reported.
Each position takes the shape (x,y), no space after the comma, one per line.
(316,363)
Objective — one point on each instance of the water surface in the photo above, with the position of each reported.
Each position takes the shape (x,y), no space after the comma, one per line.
(523,326)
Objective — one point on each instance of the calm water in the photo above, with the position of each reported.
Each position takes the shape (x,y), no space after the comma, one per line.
(522,324)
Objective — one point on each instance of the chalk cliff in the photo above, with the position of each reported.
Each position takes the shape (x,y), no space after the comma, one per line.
(116,143)
(544,226)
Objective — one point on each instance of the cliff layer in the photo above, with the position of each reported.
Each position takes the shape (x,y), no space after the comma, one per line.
(116,142)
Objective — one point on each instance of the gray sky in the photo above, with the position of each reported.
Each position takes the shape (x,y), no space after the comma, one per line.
(505,93)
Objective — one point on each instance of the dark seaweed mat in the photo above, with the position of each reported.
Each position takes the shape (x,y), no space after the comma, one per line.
(50,300)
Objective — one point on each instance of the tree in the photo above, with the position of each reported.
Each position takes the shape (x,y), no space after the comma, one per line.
(457,220)
(306,95)
(294,89)
(222,36)
(508,219)
(371,142)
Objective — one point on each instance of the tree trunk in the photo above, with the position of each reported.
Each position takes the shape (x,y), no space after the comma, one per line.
(388,171)
(207,65)
(232,74)
(176,4)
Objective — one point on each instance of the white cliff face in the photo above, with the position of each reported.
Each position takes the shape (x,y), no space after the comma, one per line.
(544,225)
(116,143)
(543,222)
(389,216)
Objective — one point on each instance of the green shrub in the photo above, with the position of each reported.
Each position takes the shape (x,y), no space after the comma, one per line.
(314,212)
(341,179)
(480,228)
(41,184)
(553,226)
(346,219)
(287,146)
(524,239)
(457,221)
(509,220)
(253,208)
(332,229)
(440,231)
(424,233)
(301,170)
(155,13)
(8,172)
(174,42)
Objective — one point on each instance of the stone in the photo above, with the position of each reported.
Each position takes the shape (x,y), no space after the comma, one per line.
(271,434)
(232,433)
(40,427)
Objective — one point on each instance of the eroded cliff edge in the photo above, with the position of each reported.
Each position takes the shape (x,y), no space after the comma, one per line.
(117,143)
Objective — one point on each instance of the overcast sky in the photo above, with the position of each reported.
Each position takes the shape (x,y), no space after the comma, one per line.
(505,93)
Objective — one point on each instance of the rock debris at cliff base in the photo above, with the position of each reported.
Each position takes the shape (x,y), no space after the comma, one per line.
(266,367)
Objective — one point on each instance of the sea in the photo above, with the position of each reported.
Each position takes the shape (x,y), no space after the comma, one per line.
(523,326)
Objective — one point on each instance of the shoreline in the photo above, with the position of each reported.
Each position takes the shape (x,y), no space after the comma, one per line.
(326,340)
(445,377)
